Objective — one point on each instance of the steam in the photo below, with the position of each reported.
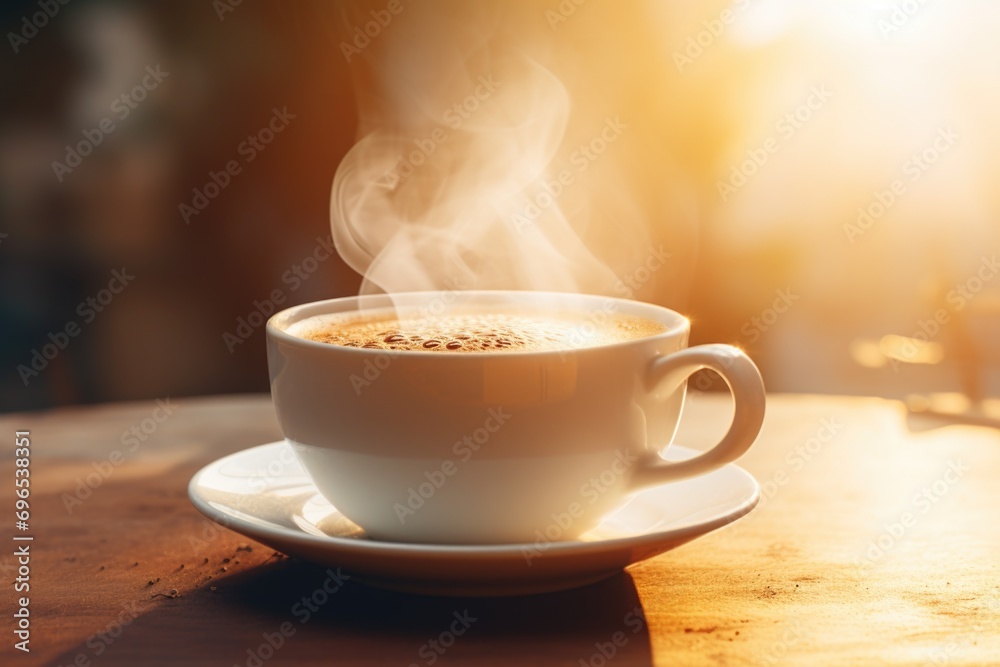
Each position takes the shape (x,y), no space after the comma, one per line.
(455,181)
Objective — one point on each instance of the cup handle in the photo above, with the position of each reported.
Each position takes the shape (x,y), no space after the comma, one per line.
(747,387)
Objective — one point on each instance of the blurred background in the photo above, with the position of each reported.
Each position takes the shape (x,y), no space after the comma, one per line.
(815,182)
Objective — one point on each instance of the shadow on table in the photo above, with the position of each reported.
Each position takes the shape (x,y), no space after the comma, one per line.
(258,617)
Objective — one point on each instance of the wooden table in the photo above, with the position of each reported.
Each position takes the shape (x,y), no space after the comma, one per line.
(877,542)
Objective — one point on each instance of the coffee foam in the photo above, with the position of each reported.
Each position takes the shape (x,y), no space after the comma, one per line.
(475,332)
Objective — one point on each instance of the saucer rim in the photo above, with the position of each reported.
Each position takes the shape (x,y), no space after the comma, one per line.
(424,550)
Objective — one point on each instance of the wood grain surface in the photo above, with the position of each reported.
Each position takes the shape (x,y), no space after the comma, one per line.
(877,543)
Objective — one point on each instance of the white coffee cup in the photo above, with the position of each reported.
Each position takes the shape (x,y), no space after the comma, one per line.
(496,447)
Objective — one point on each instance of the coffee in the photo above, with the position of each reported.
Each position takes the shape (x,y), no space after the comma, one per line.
(475,332)
(557,388)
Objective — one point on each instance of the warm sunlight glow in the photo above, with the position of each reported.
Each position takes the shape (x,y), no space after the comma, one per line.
(910,350)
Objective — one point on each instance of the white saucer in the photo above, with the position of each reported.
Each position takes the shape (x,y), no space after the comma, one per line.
(260,494)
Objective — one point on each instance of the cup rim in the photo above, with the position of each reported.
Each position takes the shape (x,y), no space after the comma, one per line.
(676,323)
